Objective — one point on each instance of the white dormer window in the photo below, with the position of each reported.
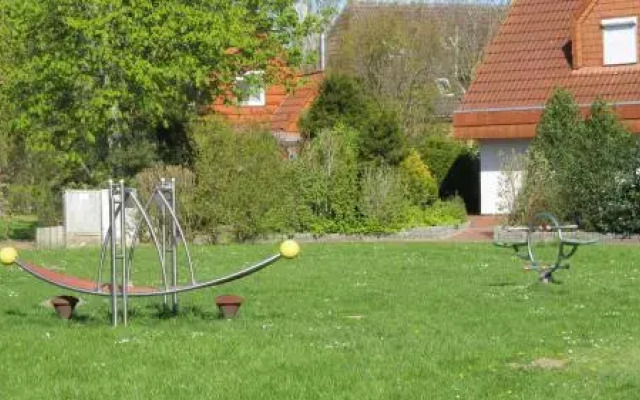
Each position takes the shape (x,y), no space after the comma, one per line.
(444,87)
(250,89)
(620,40)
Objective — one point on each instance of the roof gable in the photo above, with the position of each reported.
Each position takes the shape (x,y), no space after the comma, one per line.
(583,11)
(536,51)
(532,54)
(282,108)
(576,35)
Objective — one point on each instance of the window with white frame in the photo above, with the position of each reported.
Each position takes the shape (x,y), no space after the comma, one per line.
(251,89)
(444,86)
(620,40)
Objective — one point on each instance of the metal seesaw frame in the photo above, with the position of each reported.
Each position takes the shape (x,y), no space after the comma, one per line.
(165,240)
(523,249)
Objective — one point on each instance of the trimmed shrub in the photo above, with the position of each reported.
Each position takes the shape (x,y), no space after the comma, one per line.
(441,212)
(327,177)
(19,227)
(242,188)
(383,203)
(455,165)
(439,152)
(421,186)
(463,179)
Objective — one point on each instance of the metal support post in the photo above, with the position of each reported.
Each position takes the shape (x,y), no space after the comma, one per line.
(112,221)
(123,247)
(174,243)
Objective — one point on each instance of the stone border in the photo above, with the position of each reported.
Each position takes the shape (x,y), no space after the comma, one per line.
(500,233)
(427,233)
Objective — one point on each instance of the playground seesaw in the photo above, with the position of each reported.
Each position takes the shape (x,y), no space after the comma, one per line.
(542,228)
(119,244)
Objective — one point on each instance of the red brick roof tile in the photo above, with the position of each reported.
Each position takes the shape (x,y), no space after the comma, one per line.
(285,119)
(282,110)
(532,55)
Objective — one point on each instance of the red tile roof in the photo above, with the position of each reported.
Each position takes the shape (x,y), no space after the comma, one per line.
(532,55)
(282,109)
(286,117)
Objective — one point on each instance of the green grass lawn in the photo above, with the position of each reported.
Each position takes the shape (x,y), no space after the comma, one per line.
(347,321)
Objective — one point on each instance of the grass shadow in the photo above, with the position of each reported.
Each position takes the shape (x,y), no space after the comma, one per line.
(16,313)
(503,284)
(165,311)
(85,319)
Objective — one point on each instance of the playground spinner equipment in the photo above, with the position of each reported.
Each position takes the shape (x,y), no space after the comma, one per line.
(542,224)
(128,215)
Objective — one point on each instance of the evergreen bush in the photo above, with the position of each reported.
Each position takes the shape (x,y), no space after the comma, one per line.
(382,141)
(439,151)
(341,100)
(454,164)
(588,160)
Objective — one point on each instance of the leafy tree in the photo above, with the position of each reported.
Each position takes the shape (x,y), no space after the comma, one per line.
(85,75)
(396,57)
(91,81)
(400,50)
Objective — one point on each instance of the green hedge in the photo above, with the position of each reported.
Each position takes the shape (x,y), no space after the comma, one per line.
(454,164)
(242,183)
(589,165)
(20,227)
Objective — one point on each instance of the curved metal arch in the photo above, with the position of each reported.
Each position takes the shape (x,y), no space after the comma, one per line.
(28,267)
(533,228)
(147,220)
(174,217)
(566,247)
(154,237)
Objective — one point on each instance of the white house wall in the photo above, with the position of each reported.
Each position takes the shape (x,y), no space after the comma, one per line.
(494,182)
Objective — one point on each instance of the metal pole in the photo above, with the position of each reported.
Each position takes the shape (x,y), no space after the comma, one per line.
(123,247)
(163,226)
(180,232)
(174,242)
(112,221)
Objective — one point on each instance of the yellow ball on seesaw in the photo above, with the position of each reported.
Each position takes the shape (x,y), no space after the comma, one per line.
(8,255)
(289,248)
